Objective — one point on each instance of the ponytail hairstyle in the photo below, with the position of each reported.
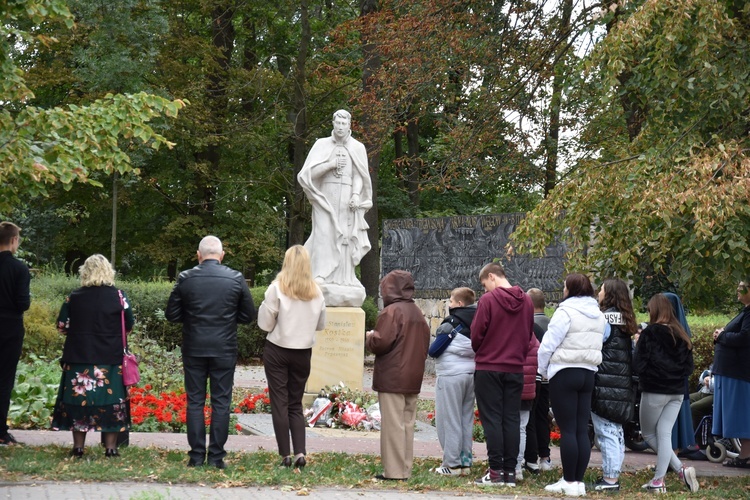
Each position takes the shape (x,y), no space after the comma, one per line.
(660,311)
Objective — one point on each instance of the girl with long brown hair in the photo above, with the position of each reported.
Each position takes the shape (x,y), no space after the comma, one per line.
(663,358)
(612,403)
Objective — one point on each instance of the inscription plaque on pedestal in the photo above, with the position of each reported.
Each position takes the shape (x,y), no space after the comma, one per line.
(339,351)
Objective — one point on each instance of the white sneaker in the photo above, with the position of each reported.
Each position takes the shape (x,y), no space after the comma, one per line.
(519,474)
(546,464)
(655,488)
(574,489)
(449,471)
(691,481)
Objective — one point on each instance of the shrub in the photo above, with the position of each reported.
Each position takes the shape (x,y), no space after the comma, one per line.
(148,299)
(160,368)
(33,395)
(371,313)
(42,338)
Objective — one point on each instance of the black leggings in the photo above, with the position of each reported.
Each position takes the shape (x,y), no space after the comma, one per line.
(570,396)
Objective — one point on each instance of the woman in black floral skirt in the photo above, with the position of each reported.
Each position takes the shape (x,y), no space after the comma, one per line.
(92,395)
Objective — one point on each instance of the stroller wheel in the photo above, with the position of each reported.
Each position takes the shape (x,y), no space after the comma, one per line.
(716,452)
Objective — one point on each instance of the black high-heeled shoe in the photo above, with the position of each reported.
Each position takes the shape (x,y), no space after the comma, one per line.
(286,462)
(300,463)
(111,453)
(76,452)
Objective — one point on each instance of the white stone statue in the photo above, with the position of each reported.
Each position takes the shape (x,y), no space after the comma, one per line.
(336,180)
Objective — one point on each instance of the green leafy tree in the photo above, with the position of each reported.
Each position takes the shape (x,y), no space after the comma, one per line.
(665,181)
(41,147)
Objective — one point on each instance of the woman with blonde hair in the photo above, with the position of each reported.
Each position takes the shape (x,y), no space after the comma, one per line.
(92,395)
(663,358)
(292,311)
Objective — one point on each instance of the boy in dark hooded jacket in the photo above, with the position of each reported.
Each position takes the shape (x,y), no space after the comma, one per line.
(400,342)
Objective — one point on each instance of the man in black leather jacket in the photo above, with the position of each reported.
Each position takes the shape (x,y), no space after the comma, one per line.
(209,300)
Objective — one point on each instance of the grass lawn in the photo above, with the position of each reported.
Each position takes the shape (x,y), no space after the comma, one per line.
(51,463)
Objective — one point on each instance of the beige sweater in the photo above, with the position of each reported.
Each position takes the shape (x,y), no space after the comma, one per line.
(291,323)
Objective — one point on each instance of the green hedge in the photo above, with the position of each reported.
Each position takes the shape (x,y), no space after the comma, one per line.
(148,299)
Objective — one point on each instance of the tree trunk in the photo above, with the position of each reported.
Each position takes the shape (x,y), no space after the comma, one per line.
(297,203)
(209,159)
(552,140)
(414,169)
(370,264)
(632,110)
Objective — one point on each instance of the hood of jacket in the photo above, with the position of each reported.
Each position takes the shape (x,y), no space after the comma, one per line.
(511,299)
(397,286)
(588,306)
(464,315)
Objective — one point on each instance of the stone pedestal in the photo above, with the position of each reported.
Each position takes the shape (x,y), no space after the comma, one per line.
(339,351)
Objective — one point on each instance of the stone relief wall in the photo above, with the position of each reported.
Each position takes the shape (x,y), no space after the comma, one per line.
(448,252)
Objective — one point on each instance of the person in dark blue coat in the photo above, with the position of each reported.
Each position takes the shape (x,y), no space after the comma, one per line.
(732,379)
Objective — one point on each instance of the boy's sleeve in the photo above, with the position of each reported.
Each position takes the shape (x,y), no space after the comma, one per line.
(479,326)
(442,341)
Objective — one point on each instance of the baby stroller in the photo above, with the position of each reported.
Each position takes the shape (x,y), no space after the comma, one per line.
(717,448)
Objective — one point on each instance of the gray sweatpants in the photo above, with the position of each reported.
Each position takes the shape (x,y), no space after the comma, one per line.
(454,418)
(658,415)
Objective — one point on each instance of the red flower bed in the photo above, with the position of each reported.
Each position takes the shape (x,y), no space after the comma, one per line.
(255,403)
(167,411)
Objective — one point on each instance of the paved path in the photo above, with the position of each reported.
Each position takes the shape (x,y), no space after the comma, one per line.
(146,491)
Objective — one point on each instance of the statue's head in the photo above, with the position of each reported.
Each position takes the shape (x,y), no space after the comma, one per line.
(342,121)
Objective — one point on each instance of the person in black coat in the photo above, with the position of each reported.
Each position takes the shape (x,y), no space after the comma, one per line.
(663,358)
(209,300)
(613,399)
(14,300)
(92,395)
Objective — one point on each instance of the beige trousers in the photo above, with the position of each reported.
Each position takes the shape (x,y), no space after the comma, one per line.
(398,413)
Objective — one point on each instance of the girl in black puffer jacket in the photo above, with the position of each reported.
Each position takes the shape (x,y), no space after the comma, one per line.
(613,399)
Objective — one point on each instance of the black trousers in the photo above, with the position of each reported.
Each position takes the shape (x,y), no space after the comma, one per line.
(499,403)
(570,394)
(537,431)
(11,342)
(287,371)
(220,373)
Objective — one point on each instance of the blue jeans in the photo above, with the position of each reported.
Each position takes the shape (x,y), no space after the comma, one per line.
(611,443)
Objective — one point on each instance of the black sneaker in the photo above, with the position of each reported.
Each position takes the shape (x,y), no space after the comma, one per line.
(509,478)
(602,485)
(492,478)
(8,439)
